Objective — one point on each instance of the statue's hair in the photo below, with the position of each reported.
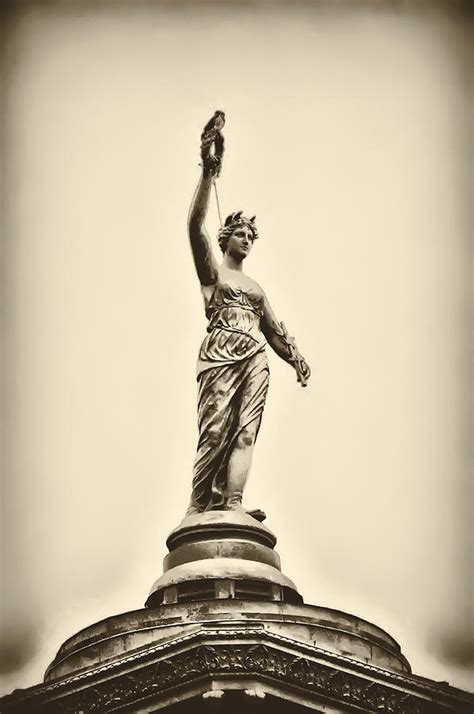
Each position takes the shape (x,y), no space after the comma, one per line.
(233,221)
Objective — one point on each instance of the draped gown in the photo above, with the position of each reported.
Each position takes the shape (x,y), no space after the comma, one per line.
(233,376)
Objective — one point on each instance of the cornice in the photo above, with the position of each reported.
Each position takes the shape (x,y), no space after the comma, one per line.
(233,653)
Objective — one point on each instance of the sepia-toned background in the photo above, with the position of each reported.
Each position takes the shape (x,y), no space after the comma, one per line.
(348,134)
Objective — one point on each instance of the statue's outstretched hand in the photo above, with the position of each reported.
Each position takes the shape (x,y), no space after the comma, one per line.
(304,369)
(303,372)
(212,145)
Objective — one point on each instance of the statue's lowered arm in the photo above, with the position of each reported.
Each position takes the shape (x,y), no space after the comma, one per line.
(279,340)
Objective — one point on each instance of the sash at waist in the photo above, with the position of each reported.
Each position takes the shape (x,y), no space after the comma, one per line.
(228,345)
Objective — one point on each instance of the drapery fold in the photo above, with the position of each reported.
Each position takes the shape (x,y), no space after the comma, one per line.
(233,376)
(230,398)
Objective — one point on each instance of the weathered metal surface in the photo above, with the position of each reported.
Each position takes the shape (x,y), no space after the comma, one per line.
(203,550)
(222,568)
(220,525)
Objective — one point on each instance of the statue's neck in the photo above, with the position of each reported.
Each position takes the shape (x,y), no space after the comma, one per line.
(231,263)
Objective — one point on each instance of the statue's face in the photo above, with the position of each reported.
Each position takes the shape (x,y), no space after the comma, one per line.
(240,242)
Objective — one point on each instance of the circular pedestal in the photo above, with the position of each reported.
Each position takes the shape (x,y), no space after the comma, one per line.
(221,555)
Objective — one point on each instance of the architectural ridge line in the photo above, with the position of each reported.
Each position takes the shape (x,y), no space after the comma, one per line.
(312,650)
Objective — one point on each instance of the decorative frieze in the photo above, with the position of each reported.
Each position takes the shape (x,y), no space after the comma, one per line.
(150,681)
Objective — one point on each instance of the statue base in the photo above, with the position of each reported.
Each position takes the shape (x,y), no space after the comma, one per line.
(221,555)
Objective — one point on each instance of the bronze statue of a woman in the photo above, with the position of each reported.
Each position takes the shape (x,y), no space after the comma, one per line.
(232,368)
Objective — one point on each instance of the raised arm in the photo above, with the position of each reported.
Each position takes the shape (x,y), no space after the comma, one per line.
(277,337)
(212,150)
(204,260)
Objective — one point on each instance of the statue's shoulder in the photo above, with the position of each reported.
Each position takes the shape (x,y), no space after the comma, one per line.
(254,287)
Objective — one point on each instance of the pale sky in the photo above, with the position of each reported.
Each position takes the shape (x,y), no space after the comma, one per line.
(348,135)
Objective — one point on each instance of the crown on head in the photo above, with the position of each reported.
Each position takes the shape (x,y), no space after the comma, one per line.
(237,219)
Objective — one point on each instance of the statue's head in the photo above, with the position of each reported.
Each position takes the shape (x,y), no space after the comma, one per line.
(237,234)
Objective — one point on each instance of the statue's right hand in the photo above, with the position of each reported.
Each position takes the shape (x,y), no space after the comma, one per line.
(212,144)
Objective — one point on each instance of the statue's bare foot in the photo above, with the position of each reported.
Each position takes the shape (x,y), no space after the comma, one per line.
(236,507)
